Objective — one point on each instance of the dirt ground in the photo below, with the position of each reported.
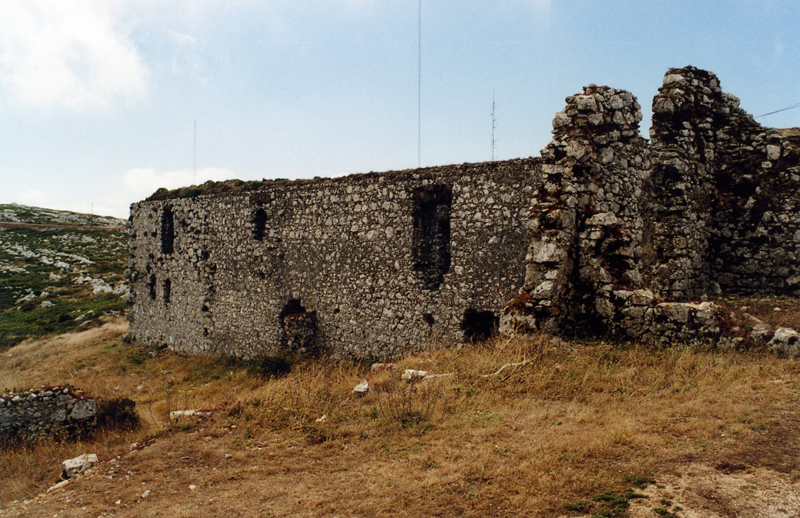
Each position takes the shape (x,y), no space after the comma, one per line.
(197,474)
(715,434)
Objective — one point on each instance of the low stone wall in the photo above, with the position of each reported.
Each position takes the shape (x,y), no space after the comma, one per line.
(48,412)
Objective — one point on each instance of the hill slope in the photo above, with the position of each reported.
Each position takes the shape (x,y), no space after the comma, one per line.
(572,430)
(13,213)
(58,270)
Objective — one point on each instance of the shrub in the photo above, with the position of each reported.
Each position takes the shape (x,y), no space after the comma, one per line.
(117,413)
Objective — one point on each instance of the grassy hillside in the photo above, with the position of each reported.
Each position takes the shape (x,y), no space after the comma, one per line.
(571,430)
(57,272)
(13,213)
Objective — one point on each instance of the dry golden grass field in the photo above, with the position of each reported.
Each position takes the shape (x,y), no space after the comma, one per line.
(575,429)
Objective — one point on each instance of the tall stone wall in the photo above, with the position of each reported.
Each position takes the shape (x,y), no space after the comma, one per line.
(628,236)
(585,218)
(725,201)
(606,235)
(368,265)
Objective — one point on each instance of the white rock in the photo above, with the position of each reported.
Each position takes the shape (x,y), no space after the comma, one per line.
(603,219)
(414,375)
(176,414)
(674,79)
(362,388)
(146,494)
(58,486)
(78,465)
(785,342)
(773,152)
(585,103)
(547,252)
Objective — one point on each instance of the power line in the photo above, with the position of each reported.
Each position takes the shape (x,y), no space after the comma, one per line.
(419,85)
(797,105)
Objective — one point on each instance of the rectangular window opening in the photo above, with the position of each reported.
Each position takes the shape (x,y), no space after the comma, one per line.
(430,251)
(259,224)
(167,231)
(167,290)
(151,287)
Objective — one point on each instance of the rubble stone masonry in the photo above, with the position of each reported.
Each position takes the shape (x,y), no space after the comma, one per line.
(606,235)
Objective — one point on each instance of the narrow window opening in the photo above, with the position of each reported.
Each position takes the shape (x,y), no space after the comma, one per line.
(167,231)
(479,325)
(431,237)
(151,286)
(167,290)
(259,224)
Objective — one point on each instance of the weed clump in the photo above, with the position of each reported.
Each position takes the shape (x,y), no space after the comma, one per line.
(117,413)
(267,367)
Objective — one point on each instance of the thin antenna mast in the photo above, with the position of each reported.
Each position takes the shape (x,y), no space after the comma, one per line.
(419,86)
(194,154)
(494,124)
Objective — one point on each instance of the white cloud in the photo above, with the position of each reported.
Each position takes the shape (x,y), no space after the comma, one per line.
(141,183)
(185,57)
(33,198)
(73,55)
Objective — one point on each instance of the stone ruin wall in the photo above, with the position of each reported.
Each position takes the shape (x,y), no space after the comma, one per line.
(362,266)
(607,235)
(47,412)
(726,195)
(629,236)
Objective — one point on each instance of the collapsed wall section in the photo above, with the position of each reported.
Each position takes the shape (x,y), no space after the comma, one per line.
(56,412)
(585,218)
(365,266)
(629,238)
(725,201)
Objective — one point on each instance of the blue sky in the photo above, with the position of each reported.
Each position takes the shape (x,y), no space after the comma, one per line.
(98,98)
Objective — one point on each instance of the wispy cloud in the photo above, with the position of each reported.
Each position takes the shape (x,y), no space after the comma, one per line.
(74,55)
(34,198)
(185,57)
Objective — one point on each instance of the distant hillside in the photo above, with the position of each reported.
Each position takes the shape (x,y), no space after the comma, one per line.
(13,213)
(58,270)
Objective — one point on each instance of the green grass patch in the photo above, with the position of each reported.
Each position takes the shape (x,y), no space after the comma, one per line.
(16,325)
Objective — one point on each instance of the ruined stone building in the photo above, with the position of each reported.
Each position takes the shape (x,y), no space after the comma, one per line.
(606,234)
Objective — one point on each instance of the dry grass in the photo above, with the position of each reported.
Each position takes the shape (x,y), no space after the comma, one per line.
(573,421)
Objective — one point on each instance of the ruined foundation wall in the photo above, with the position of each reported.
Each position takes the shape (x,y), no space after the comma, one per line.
(366,266)
(49,412)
